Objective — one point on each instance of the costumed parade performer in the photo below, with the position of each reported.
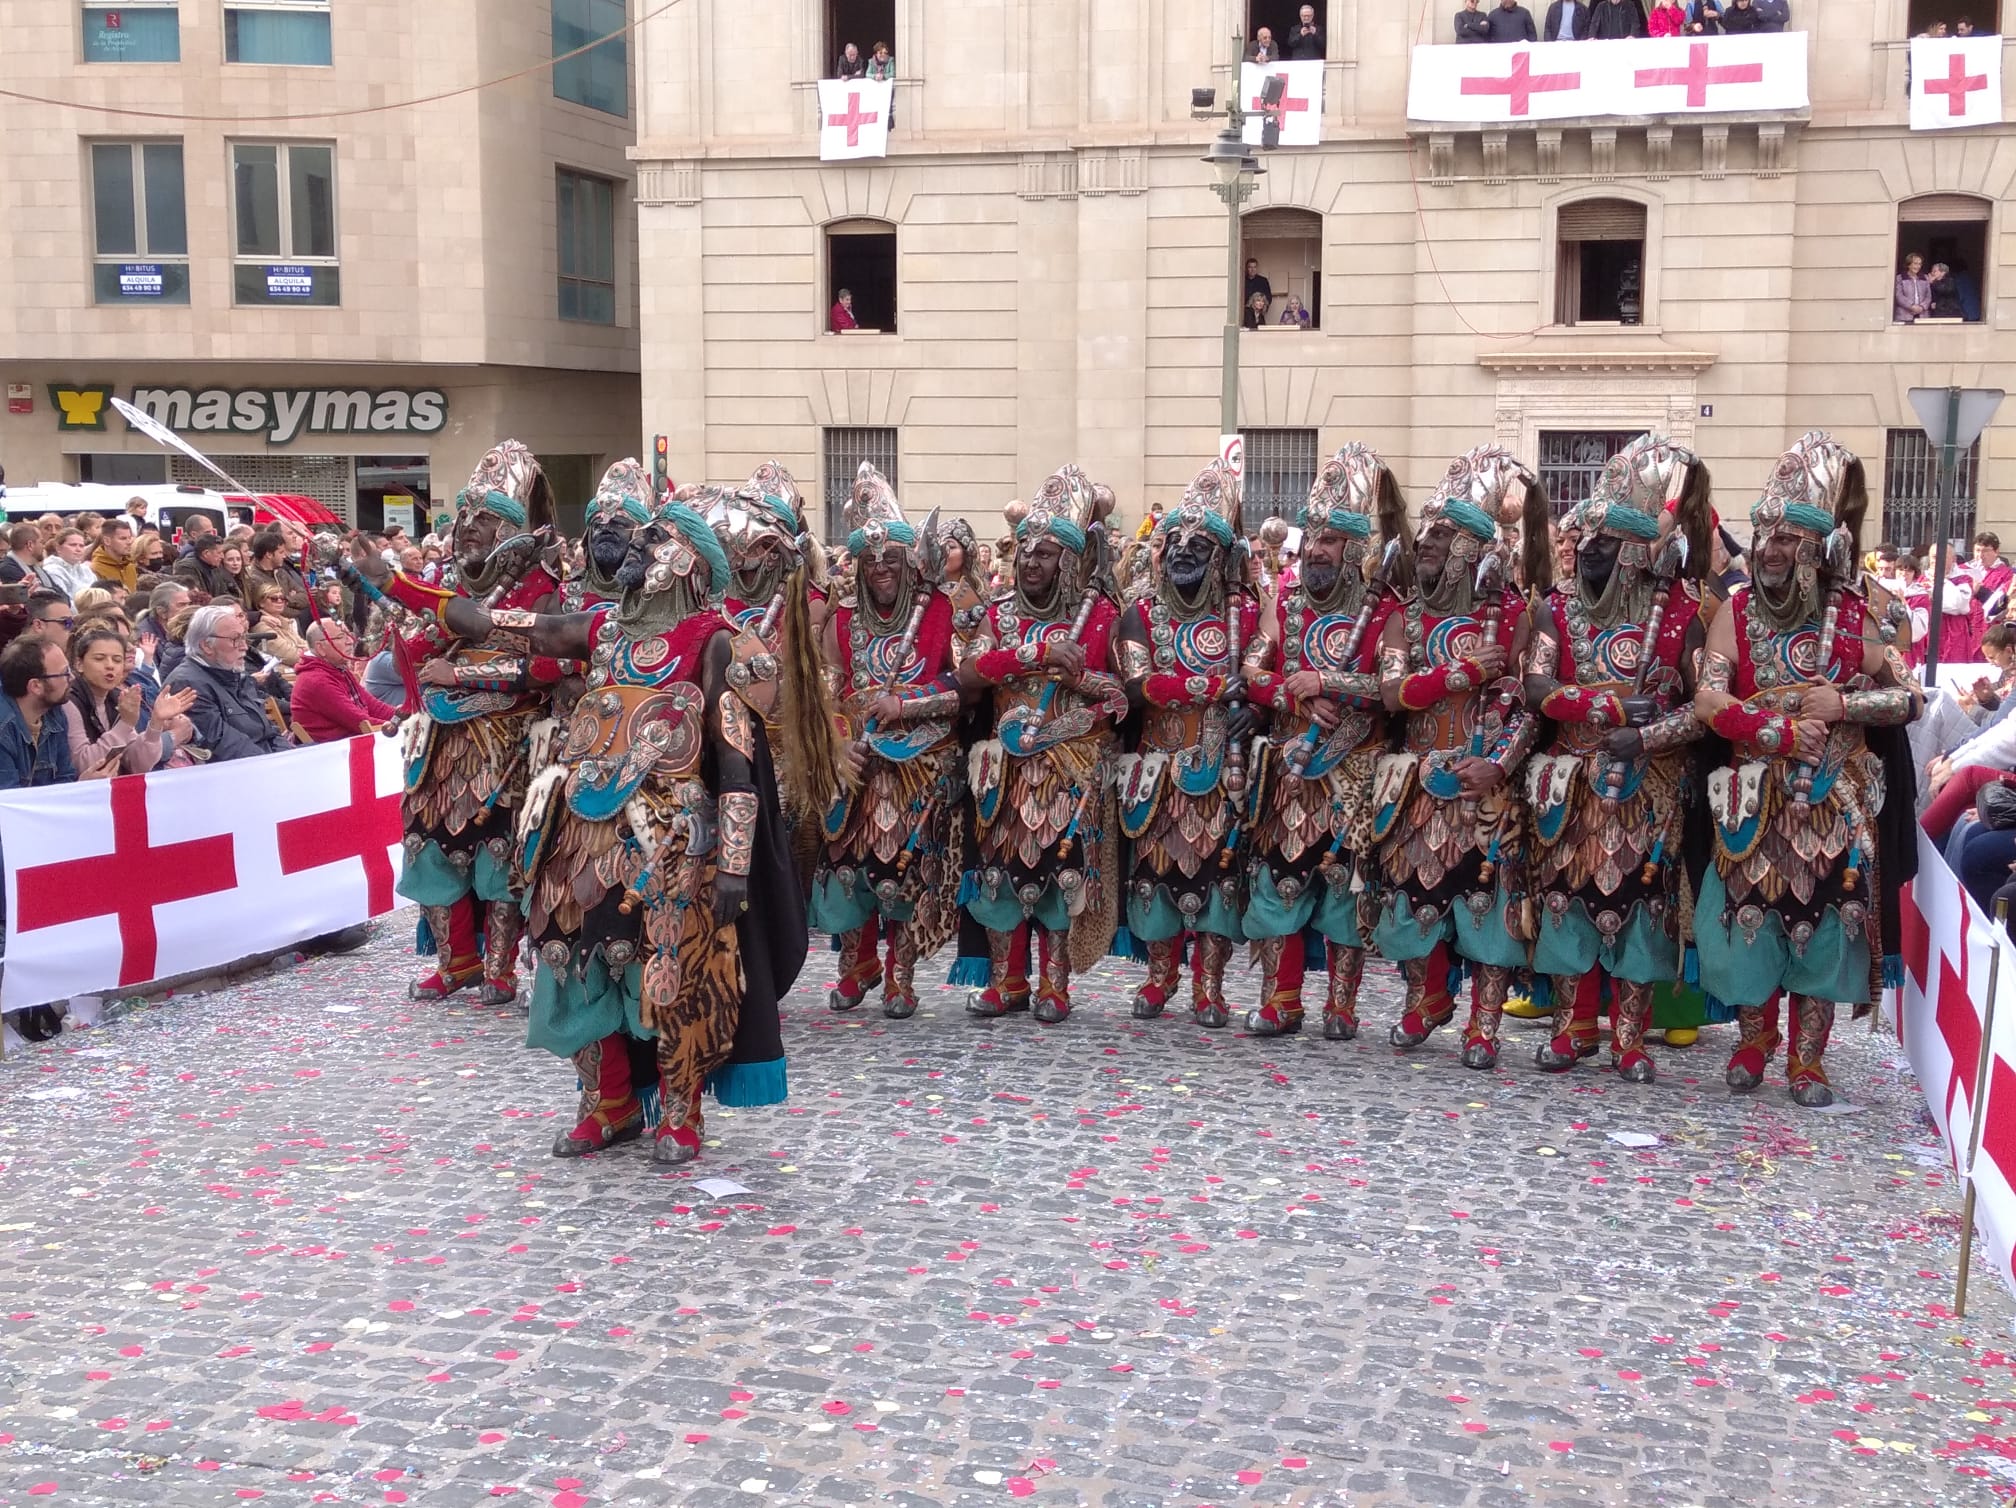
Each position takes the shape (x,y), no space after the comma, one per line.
(1445,811)
(644,843)
(1813,812)
(1312,787)
(1046,872)
(1610,666)
(465,747)
(1184,647)
(893,850)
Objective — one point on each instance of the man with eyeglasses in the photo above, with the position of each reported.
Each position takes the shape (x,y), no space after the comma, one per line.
(50,617)
(230,710)
(34,743)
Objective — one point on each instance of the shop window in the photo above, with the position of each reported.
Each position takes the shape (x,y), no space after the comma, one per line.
(324,478)
(587,219)
(861,22)
(1949,230)
(147,32)
(397,482)
(116,470)
(1280,469)
(1911,490)
(291,33)
(1284,261)
(284,214)
(1599,263)
(1572,461)
(600,77)
(1922,16)
(843,452)
(1283,21)
(861,262)
(139,223)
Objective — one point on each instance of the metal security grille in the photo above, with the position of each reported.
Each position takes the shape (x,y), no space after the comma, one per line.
(1280,469)
(1571,461)
(1911,489)
(324,478)
(846,449)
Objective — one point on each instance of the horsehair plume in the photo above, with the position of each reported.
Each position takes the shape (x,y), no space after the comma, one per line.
(1390,514)
(1694,514)
(1536,546)
(809,769)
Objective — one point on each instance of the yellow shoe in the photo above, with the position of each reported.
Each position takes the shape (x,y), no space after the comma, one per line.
(1522,1008)
(1682,1036)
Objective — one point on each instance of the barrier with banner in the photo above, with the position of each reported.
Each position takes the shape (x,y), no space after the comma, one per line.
(1950,956)
(115,883)
(1636,77)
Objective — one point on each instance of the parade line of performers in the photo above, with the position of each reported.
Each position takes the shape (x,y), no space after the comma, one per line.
(665,755)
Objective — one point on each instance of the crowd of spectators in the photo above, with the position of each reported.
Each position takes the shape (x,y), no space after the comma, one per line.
(1610,20)
(155,652)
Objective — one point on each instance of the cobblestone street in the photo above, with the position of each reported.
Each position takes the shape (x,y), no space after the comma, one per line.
(299,1241)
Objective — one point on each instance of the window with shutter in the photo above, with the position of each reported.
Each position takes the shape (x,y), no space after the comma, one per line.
(1599,262)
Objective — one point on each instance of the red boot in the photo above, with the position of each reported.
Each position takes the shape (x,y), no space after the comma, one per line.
(610,1112)
(859,967)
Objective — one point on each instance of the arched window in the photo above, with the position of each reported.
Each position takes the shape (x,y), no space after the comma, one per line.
(861,264)
(1948,231)
(1599,262)
(1284,262)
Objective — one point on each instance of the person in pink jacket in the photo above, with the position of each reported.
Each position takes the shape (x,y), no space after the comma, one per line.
(1668,19)
(106,719)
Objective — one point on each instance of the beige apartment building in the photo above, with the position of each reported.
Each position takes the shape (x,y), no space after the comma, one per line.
(229,212)
(1045,259)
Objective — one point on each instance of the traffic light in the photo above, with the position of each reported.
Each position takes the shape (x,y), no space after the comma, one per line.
(660,444)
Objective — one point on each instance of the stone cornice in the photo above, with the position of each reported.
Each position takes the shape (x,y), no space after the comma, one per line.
(1594,351)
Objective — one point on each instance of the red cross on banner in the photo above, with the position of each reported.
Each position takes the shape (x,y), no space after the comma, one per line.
(367,828)
(1522,83)
(853,119)
(1957,84)
(129,882)
(1697,76)
(1280,111)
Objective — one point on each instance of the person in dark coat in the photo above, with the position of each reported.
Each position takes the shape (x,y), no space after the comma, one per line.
(1612,20)
(1305,37)
(1472,25)
(1567,21)
(1512,22)
(229,714)
(203,571)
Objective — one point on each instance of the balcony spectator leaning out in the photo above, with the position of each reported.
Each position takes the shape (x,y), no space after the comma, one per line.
(1567,21)
(1704,19)
(851,65)
(1263,48)
(1667,19)
(841,315)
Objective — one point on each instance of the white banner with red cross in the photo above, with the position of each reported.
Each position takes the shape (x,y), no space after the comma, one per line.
(1637,76)
(1948,946)
(1955,81)
(1300,110)
(854,118)
(114,883)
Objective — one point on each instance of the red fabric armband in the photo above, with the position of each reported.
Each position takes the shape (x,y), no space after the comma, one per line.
(1425,688)
(1769,731)
(1575,704)
(998,665)
(417,595)
(1266,689)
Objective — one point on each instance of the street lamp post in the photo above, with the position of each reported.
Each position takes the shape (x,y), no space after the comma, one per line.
(1237,170)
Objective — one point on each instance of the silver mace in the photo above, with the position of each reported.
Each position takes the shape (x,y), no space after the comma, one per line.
(1665,572)
(1305,747)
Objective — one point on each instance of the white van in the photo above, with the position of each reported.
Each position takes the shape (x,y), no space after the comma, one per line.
(168,508)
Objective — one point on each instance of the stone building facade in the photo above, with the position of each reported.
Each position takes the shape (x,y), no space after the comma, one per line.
(211,203)
(1046,261)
